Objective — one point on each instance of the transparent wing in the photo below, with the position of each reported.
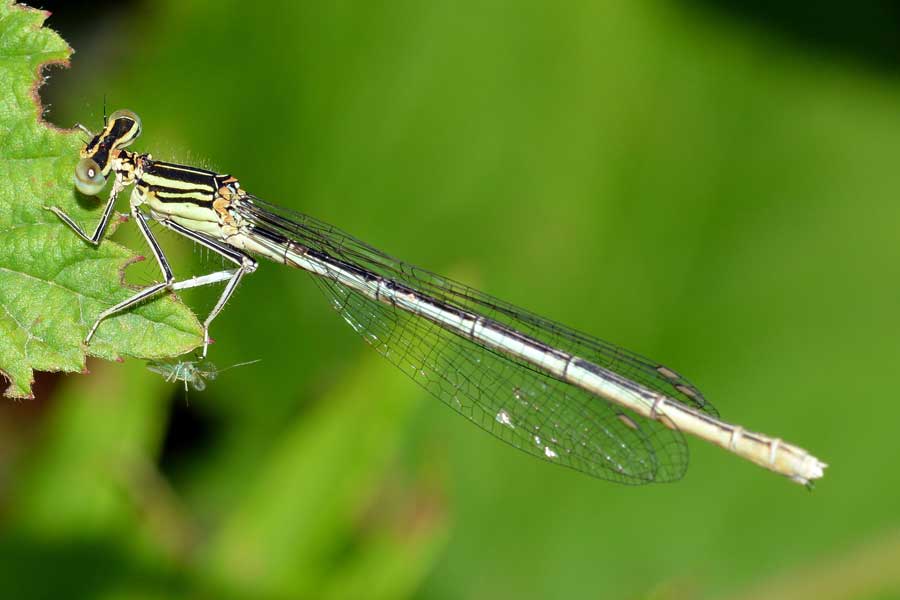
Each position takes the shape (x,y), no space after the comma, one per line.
(528,409)
(327,238)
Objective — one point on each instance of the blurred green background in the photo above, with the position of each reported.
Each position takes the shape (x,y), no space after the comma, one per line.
(710,184)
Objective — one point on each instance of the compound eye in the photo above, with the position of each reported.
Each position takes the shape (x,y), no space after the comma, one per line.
(89,177)
(126,127)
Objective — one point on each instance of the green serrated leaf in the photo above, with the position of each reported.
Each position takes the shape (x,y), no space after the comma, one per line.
(52,284)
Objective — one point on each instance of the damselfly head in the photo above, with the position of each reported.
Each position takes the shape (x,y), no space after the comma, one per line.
(124,127)
(120,130)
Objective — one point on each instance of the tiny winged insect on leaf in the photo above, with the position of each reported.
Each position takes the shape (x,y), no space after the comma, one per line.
(192,372)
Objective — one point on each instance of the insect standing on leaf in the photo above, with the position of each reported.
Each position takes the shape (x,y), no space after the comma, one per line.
(551,391)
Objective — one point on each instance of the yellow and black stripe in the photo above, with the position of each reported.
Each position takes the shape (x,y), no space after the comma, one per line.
(169,182)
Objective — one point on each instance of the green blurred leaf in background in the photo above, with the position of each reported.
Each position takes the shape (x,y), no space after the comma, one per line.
(53,284)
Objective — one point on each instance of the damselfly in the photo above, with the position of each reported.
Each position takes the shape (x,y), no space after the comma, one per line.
(551,391)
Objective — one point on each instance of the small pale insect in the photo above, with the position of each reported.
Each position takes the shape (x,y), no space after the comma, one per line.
(195,373)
